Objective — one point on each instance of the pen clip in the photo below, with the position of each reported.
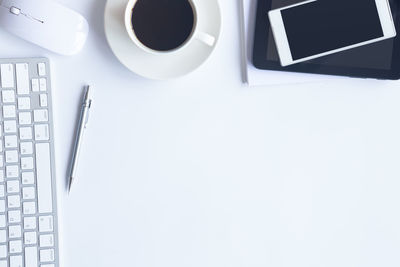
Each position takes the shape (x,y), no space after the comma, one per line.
(88,97)
(87,103)
(86,120)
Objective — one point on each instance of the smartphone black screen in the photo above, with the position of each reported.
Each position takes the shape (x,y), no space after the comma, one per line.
(325,25)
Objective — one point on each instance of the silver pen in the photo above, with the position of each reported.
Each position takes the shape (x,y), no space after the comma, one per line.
(83,121)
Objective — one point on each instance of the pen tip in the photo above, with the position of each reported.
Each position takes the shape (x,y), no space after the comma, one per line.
(70,185)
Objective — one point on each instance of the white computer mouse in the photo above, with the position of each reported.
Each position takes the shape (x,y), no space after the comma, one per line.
(45,23)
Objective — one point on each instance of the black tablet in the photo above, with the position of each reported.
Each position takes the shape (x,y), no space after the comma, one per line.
(378,60)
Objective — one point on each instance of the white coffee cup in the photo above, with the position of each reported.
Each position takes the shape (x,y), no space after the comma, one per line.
(196,34)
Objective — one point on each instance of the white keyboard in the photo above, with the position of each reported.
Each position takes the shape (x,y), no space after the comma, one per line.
(28,217)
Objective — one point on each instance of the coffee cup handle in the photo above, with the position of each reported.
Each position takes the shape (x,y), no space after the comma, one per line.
(205,38)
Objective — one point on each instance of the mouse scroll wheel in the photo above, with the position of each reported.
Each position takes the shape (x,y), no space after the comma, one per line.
(15,10)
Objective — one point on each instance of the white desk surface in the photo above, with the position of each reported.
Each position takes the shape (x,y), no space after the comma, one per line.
(203,171)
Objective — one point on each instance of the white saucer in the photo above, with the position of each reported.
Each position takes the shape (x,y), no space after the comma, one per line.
(161,66)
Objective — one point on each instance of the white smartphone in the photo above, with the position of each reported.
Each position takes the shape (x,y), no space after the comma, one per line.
(317,28)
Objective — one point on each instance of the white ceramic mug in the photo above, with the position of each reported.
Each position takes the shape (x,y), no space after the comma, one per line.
(196,34)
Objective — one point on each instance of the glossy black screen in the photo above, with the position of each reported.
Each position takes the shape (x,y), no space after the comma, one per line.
(326,25)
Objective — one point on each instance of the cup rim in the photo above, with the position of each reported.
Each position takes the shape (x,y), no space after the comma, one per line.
(129,29)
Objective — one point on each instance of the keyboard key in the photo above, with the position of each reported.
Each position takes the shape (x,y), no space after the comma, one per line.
(11,156)
(29,208)
(31,257)
(13,187)
(22,71)
(7,75)
(3,251)
(35,85)
(43,84)
(27,163)
(1,161)
(2,220)
(43,176)
(10,126)
(24,102)
(14,201)
(15,246)
(3,263)
(46,240)
(12,171)
(42,69)
(1,176)
(46,223)
(16,261)
(46,255)
(14,231)
(41,115)
(42,132)
(8,96)
(10,141)
(2,191)
(28,178)
(26,148)
(3,236)
(9,112)
(30,238)
(2,205)
(28,193)
(25,118)
(14,216)
(29,223)
(25,133)
(43,100)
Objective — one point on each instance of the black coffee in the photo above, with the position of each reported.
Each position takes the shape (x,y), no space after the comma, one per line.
(162,24)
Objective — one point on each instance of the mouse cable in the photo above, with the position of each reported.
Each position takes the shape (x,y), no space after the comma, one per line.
(17,11)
